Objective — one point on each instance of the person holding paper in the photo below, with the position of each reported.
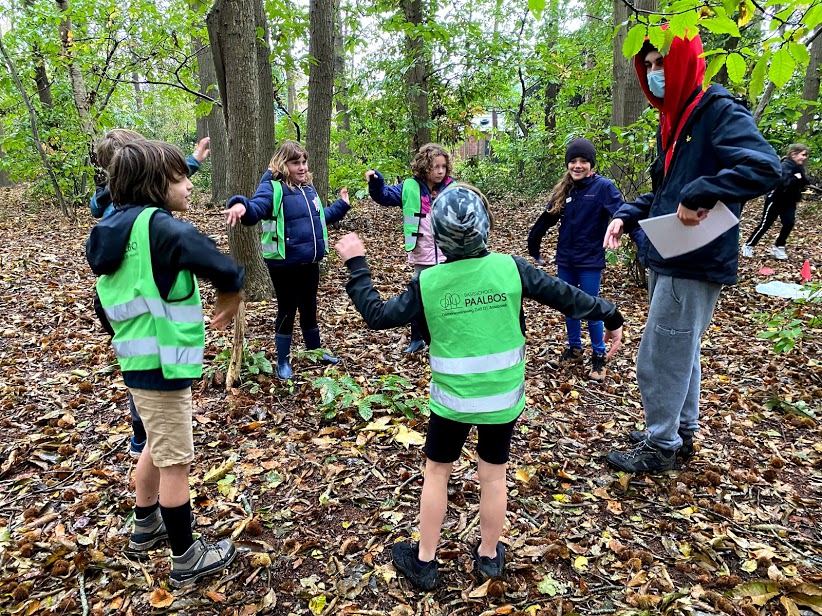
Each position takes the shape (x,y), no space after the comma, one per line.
(709,151)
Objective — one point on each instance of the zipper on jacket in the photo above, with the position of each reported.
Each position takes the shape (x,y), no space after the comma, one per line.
(311,218)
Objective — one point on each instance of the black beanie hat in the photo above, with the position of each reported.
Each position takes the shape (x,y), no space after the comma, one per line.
(581,148)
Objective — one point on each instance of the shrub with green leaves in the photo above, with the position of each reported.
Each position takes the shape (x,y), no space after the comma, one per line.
(340,392)
(787,328)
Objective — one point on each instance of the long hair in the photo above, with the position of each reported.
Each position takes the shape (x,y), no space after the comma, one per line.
(141,171)
(560,194)
(424,161)
(289,151)
(113,140)
(796,148)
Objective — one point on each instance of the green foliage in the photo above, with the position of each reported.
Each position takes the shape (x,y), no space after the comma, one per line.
(254,364)
(339,392)
(787,328)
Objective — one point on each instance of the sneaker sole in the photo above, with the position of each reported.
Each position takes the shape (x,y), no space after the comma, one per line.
(191,579)
(142,548)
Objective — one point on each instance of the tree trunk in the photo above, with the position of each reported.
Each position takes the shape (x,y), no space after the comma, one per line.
(4,176)
(266,143)
(810,91)
(417,75)
(232,33)
(551,93)
(343,119)
(764,101)
(41,78)
(320,91)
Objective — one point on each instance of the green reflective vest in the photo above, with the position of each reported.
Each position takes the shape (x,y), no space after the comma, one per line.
(273,237)
(149,331)
(411,208)
(472,307)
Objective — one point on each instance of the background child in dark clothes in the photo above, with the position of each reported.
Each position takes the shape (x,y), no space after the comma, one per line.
(431,169)
(148,262)
(781,202)
(472,307)
(295,240)
(583,202)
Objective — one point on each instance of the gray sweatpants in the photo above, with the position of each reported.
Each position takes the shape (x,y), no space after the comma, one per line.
(668,370)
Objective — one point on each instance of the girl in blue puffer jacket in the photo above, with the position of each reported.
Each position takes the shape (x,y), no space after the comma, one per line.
(583,203)
(294,240)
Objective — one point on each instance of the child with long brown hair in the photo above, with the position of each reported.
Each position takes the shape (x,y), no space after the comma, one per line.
(295,239)
(431,169)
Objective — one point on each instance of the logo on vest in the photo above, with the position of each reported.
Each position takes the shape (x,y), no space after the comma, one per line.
(450,301)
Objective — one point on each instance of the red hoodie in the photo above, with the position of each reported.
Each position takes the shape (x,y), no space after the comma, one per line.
(684,72)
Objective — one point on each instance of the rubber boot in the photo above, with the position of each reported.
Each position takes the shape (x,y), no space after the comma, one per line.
(284,370)
(312,341)
(417,343)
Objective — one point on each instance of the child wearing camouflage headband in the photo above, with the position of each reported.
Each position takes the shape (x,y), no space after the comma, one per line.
(470,312)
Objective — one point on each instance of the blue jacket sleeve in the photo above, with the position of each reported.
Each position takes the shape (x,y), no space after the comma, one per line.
(631,213)
(193,165)
(613,199)
(100,201)
(538,231)
(750,166)
(382,194)
(260,205)
(336,211)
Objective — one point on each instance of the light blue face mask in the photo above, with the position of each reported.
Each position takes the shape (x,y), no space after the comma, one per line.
(656,83)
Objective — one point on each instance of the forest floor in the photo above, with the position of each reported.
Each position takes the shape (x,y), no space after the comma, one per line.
(315,497)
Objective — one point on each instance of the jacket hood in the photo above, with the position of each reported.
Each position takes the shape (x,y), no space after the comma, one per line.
(684,73)
(106,246)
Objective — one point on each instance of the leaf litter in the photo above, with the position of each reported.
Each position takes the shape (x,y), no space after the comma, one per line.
(315,504)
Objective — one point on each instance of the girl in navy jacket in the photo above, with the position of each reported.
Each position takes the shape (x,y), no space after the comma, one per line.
(294,241)
(583,203)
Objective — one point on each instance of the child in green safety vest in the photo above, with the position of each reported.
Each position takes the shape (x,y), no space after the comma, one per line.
(148,263)
(470,309)
(432,170)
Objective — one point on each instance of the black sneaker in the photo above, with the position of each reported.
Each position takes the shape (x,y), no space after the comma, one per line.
(598,370)
(405,557)
(414,347)
(643,457)
(685,452)
(200,560)
(489,567)
(569,357)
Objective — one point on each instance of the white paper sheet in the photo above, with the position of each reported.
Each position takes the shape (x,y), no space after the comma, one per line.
(671,238)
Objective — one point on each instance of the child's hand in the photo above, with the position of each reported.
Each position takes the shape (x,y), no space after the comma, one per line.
(615,338)
(234,214)
(344,195)
(201,151)
(350,246)
(226,308)
(613,234)
(370,174)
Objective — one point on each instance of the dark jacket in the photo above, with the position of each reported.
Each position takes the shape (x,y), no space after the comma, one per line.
(304,241)
(101,205)
(536,285)
(391,195)
(589,208)
(175,246)
(789,190)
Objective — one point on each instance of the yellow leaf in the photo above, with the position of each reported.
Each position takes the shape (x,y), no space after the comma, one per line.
(161,598)
(522,476)
(317,604)
(581,563)
(379,424)
(749,566)
(407,437)
(789,605)
(215,474)
(260,559)
(561,497)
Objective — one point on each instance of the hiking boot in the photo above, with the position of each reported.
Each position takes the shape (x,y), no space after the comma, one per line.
(569,357)
(135,447)
(415,347)
(489,567)
(686,451)
(200,560)
(747,251)
(147,534)
(598,370)
(405,556)
(778,252)
(643,457)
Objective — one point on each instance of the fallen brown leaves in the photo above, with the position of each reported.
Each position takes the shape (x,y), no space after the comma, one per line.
(315,505)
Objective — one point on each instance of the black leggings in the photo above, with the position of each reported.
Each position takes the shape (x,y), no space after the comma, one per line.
(296,289)
(772,211)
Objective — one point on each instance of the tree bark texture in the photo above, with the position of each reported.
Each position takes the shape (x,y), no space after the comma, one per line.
(232,33)
(268,119)
(416,77)
(810,91)
(320,91)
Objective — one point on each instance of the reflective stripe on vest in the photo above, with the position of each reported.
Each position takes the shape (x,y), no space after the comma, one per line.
(151,332)
(472,307)
(411,207)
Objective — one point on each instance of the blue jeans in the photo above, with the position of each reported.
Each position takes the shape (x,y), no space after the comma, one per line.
(586,280)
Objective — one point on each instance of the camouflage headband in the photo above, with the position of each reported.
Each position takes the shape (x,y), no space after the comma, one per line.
(460,223)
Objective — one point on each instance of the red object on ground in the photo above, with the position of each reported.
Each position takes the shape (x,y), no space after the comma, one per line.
(766,271)
(806,271)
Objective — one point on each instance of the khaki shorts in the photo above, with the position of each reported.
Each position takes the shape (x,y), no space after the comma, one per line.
(166,416)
